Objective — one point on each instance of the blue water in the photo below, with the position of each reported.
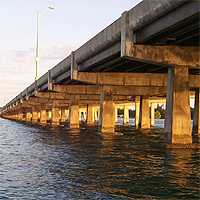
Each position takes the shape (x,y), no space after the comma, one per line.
(41,162)
(159,123)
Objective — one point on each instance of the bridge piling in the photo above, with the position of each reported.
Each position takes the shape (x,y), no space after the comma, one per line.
(43,113)
(34,114)
(55,113)
(137,111)
(144,112)
(106,118)
(196,116)
(90,116)
(178,118)
(152,114)
(62,119)
(73,121)
(28,115)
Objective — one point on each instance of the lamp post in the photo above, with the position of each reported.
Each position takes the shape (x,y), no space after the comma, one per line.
(37,44)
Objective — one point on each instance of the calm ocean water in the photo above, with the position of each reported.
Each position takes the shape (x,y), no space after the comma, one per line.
(41,162)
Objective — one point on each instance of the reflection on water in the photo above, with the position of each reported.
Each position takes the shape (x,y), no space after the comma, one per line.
(159,123)
(41,162)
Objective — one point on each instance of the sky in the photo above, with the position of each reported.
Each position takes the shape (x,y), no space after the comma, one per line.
(62,30)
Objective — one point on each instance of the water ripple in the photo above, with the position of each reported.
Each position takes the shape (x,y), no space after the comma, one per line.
(41,162)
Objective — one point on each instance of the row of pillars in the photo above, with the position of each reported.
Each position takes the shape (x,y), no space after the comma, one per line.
(90,114)
(177,118)
(145,120)
(106,114)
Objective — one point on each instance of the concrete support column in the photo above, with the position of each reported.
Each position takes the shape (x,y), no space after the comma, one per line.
(23,115)
(67,114)
(106,118)
(73,113)
(55,113)
(152,114)
(38,115)
(34,114)
(178,116)
(116,115)
(84,115)
(126,115)
(89,114)
(16,115)
(137,110)
(43,113)
(144,112)
(95,115)
(28,115)
(196,116)
(80,115)
(48,112)
(98,115)
(62,115)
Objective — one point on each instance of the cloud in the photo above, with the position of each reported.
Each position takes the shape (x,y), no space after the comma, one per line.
(21,56)
(57,52)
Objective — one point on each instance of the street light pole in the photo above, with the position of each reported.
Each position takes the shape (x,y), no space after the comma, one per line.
(37,44)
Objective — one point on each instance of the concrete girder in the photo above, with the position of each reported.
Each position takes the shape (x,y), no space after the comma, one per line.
(52,95)
(94,90)
(187,56)
(128,79)
(121,79)
(137,91)
(27,103)
(39,100)
(77,89)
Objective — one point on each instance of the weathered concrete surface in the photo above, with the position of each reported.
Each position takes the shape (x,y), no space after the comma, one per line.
(73,121)
(144,113)
(52,95)
(137,113)
(62,115)
(43,113)
(152,114)
(106,121)
(55,113)
(28,115)
(34,114)
(116,114)
(74,116)
(123,79)
(90,115)
(126,115)
(127,37)
(149,10)
(178,116)
(167,55)
(94,90)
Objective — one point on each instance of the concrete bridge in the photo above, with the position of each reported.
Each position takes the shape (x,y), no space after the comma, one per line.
(150,52)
